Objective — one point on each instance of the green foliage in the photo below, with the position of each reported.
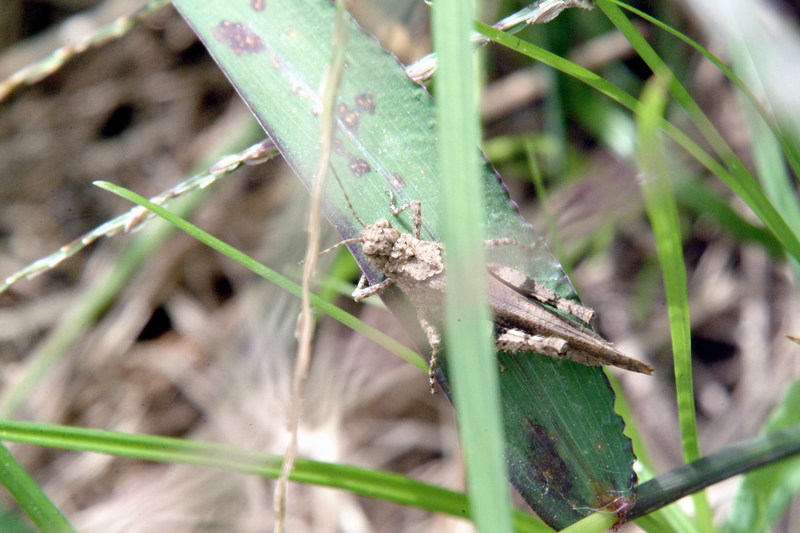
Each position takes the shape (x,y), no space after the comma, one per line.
(30,497)
(764,494)
(582,442)
(384,485)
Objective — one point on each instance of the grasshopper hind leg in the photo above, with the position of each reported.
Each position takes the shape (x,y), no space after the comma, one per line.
(435,340)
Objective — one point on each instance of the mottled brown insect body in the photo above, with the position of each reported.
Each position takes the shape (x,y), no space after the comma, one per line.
(523,322)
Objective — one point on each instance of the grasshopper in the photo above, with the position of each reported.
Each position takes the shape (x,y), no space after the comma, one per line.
(524,310)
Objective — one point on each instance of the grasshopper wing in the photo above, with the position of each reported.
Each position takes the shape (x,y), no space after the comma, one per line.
(531,288)
(520,319)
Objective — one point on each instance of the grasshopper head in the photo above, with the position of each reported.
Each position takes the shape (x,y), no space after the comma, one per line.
(377,241)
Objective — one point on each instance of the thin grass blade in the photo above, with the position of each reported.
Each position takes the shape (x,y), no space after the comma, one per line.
(30,497)
(663,214)
(369,483)
(468,326)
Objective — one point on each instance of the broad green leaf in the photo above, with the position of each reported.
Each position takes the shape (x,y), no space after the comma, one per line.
(565,449)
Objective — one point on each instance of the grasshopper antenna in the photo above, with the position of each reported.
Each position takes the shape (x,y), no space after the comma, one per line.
(352,210)
(338,244)
(349,204)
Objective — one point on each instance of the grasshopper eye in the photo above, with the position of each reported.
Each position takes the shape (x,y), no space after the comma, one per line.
(370,247)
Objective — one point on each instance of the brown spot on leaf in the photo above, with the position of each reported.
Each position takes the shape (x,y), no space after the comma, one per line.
(397,180)
(359,167)
(551,469)
(348,116)
(366,102)
(258,5)
(338,147)
(241,39)
(356,165)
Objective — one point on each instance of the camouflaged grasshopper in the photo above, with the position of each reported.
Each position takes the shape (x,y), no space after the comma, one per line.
(525,311)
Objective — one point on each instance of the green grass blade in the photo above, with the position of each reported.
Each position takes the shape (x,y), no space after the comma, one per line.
(30,497)
(778,184)
(369,483)
(270,275)
(467,330)
(788,146)
(11,522)
(696,196)
(747,187)
(663,214)
(737,179)
(721,465)
(592,524)
(764,495)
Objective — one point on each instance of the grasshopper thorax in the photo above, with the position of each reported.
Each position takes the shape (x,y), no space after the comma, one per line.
(378,240)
